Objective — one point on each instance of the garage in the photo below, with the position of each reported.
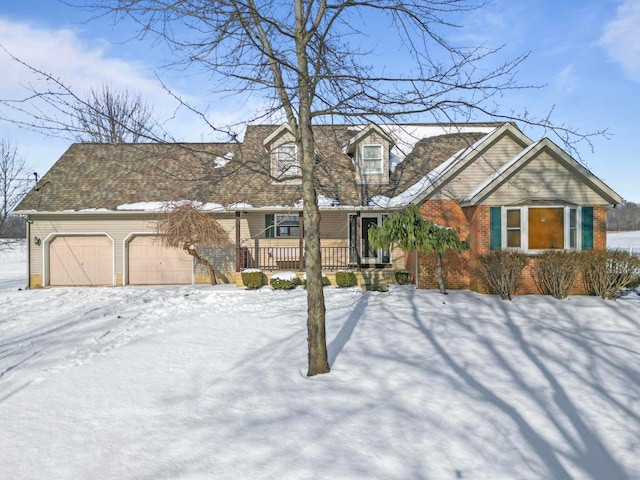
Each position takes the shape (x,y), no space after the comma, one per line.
(81,260)
(151,263)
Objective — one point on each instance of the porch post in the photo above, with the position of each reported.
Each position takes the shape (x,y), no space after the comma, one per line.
(257,247)
(358,241)
(301,242)
(239,261)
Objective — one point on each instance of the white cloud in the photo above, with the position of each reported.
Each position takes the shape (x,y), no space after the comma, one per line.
(566,79)
(621,40)
(82,64)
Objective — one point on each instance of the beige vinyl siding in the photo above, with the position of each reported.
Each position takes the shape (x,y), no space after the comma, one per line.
(334,226)
(48,226)
(559,183)
(491,159)
(120,227)
(373,138)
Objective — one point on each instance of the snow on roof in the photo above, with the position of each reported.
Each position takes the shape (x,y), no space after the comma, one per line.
(220,162)
(159,206)
(406,136)
(414,191)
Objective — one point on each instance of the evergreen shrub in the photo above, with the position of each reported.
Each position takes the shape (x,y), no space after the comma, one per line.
(346,278)
(252,278)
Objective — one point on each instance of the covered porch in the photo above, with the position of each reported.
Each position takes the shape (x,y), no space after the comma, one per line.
(275,242)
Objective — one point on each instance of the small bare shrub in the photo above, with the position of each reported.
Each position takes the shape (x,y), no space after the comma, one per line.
(503,269)
(606,272)
(556,272)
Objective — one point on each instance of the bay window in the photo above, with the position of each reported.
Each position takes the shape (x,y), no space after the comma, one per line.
(537,228)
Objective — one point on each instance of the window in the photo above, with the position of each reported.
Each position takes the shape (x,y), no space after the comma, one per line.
(541,228)
(286,161)
(372,158)
(514,231)
(287,226)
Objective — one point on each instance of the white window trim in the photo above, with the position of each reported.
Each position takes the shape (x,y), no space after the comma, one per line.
(275,225)
(524,226)
(294,170)
(381,159)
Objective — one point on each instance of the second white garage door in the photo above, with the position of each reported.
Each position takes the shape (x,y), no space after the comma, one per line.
(150,263)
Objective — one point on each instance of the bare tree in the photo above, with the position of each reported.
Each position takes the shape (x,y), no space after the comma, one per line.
(14,184)
(105,114)
(185,225)
(310,59)
(109,115)
(304,55)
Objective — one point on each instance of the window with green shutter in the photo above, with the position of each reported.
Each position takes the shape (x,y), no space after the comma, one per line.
(269,229)
(495,218)
(587,228)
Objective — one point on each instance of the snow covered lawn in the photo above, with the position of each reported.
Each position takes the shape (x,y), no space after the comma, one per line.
(624,240)
(209,383)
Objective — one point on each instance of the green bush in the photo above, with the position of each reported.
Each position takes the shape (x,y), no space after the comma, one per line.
(325,280)
(606,272)
(503,269)
(556,271)
(345,278)
(284,281)
(402,277)
(252,278)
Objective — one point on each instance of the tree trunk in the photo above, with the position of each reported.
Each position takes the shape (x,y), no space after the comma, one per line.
(194,253)
(440,274)
(316,334)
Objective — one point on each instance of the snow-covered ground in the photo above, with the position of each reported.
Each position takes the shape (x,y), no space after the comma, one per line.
(209,383)
(624,240)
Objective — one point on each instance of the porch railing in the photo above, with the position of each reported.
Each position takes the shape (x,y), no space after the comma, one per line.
(292,258)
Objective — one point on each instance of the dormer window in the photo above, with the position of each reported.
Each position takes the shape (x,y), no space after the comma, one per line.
(372,159)
(286,162)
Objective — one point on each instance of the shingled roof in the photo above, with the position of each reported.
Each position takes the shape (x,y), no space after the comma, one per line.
(94,176)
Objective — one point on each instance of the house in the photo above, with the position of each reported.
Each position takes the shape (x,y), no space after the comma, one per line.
(91,218)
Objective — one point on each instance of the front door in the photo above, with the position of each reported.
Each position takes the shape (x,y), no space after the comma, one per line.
(368,254)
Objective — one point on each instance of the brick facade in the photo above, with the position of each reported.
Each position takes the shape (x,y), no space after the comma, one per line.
(462,271)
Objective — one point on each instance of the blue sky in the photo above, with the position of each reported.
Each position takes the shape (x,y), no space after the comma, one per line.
(585,54)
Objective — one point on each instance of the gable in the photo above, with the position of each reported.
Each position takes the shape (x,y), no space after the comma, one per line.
(482,163)
(542,173)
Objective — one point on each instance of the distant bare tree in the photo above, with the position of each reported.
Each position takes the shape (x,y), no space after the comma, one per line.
(109,115)
(185,225)
(14,184)
(624,217)
(105,114)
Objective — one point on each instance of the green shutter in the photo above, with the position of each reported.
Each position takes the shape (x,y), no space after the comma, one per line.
(587,228)
(495,240)
(269,230)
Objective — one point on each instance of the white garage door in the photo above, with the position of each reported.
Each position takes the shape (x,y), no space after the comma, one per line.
(150,263)
(81,260)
